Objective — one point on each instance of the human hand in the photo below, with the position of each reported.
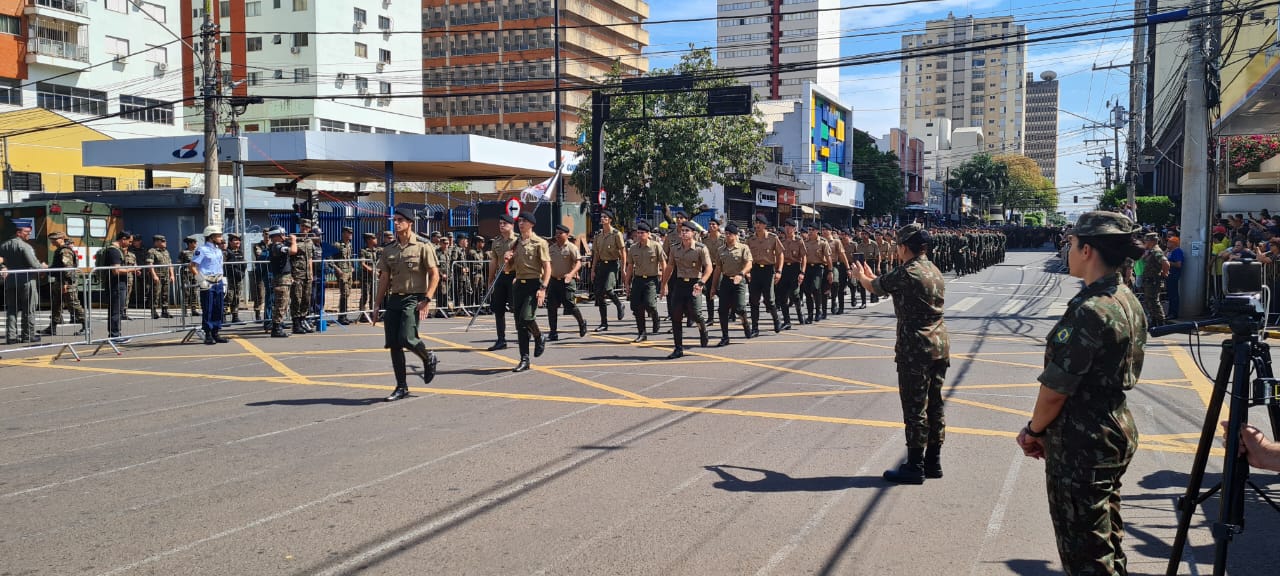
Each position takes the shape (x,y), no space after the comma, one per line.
(1031,447)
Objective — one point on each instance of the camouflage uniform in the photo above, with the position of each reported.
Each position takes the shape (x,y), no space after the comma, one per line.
(1153,263)
(157,256)
(342,268)
(368,256)
(922,352)
(190,295)
(234,266)
(1093,355)
(64,291)
(300,287)
(130,260)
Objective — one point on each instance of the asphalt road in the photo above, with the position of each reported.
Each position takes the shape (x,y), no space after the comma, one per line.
(271,456)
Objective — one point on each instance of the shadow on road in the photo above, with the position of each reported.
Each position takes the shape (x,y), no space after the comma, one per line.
(1030,567)
(314,401)
(779,482)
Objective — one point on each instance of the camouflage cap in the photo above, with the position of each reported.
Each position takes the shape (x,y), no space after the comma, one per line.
(906,232)
(57,236)
(1102,223)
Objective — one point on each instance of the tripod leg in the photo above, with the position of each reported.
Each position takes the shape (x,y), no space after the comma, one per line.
(1235,470)
(1262,369)
(1187,503)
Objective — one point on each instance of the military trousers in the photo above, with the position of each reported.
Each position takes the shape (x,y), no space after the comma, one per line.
(733,297)
(300,297)
(644,293)
(560,293)
(524,299)
(788,288)
(65,296)
(280,296)
(920,389)
(1151,289)
(681,304)
(232,298)
(1086,522)
(400,321)
(605,280)
(366,293)
(344,289)
(20,305)
(160,294)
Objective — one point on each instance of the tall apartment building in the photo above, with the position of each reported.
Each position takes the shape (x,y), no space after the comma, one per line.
(1042,122)
(364,50)
(79,60)
(980,87)
(770,35)
(488,65)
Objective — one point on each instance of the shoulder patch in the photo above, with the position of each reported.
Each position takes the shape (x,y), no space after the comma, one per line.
(1062,335)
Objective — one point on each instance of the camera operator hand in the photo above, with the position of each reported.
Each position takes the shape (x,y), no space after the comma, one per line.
(1257,449)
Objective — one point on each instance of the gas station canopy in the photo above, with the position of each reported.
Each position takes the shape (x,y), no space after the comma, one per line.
(334,156)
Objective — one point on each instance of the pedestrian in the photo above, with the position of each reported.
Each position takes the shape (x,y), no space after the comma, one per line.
(407,275)
(839,270)
(319,269)
(366,272)
(279,255)
(565,263)
(530,263)
(766,269)
(645,263)
(1172,288)
(714,241)
(261,289)
(500,277)
(343,252)
(117,283)
(190,292)
(608,259)
(20,294)
(1155,268)
(688,269)
(922,350)
(1081,425)
(65,290)
(732,270)
(300,288)
(794,266)
(234,264)
(131,259)
(817,268)
(160,274)
(207,266)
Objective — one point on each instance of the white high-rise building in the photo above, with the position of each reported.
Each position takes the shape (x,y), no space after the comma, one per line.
(369,49)
(806,32)
(979,88)
(85,59)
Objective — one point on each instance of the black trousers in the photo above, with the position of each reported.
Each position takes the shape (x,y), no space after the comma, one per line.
(681,302)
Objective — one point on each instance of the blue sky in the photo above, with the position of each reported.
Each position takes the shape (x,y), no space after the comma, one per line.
(872,91)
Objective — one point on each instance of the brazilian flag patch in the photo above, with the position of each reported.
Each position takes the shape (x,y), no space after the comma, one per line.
(1062,336)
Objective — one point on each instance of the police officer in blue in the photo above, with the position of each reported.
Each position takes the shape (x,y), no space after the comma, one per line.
(206,264)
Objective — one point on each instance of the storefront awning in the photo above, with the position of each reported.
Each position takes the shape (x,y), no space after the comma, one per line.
(807,211)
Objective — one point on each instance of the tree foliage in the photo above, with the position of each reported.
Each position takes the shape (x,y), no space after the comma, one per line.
(979,178)
(1010,181)
(667,162)
(1157,210)
(880,174)
(1114,199)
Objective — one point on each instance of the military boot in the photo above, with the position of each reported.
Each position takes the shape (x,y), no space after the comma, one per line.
(746,325)
(933,461)
(401,391)
(277,330)
(429,361)
(582,323)
(909,472)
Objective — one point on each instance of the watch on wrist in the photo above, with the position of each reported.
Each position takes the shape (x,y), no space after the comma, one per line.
(426,299)
(1033,433)
(700,284)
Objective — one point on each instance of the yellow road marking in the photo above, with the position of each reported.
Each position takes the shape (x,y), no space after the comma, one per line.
(1203,386)
(267,359)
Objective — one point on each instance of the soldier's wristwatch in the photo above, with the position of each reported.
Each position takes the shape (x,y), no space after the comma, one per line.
(1033,433)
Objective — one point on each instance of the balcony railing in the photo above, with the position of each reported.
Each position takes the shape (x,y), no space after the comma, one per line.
(58,49)
(73,6)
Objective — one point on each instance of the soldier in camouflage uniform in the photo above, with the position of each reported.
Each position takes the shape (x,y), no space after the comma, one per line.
(300,288)
(234,266)
(343,252)
(260,289)
(190,290)
(1081,425)
(365,273)
(1155,268)
(279,253)
(131,260)
(161,276)
(922,351)
(63,292)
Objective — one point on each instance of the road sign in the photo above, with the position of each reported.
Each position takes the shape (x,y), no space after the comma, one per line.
(513,208)
(602,198)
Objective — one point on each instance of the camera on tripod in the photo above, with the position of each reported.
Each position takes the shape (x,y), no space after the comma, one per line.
(1243,286)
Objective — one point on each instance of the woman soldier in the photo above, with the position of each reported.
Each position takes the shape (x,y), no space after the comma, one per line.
(1081,425)
(732,271)
(922,351)
(407,273)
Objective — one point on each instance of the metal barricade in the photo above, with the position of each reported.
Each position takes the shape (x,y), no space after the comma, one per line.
(462,287)
(344,292)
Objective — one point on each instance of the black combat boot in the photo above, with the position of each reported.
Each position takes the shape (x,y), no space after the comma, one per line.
(523,365)
(582,323)
(933,461)
(657,321)
(277,330)
(501,344)
(911,471)
(702,334)
(429,361)
(777,324)
(539,342)
(604,318)
(746,326)
(217,338)
(401,391)
(640,327)
(724,330)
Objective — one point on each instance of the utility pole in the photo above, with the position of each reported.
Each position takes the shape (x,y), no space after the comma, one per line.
(557,177)
(1117,122)
(8,170)
(1195,169)
(209,51)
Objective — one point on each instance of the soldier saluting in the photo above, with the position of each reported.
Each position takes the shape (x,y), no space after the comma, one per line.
(922,351)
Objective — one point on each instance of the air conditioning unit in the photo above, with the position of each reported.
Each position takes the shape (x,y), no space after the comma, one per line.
(386,3)
(342,76)
(384,101)
(296,50)
(161,68)
(359,25)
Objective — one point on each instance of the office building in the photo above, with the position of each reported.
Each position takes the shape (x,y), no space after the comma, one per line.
(775,35)
(64,61)
(488,67)
(332,65)
(980,87)
(1042,122)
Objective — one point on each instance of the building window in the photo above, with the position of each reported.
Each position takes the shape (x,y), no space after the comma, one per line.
(290,124)
(384,87)
(361,16)
(117,47)
(362,84)
(252,9)
(157,54)
(121,6)
(360,128)
(146,109)
(384,56)
(384,23)
(299,5)
(275,4)
(28,181)
(254,44)
(69,99)
(10,93)
(362,50)
(255,78)
(301,39)
(224,9)
(332,126)
(10,25)
(94,183)
(301,75)
(225,43)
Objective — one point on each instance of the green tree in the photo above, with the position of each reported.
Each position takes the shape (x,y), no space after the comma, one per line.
(1027,188)
(667,162)
(979,177)
(880,173)
(1114,199)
